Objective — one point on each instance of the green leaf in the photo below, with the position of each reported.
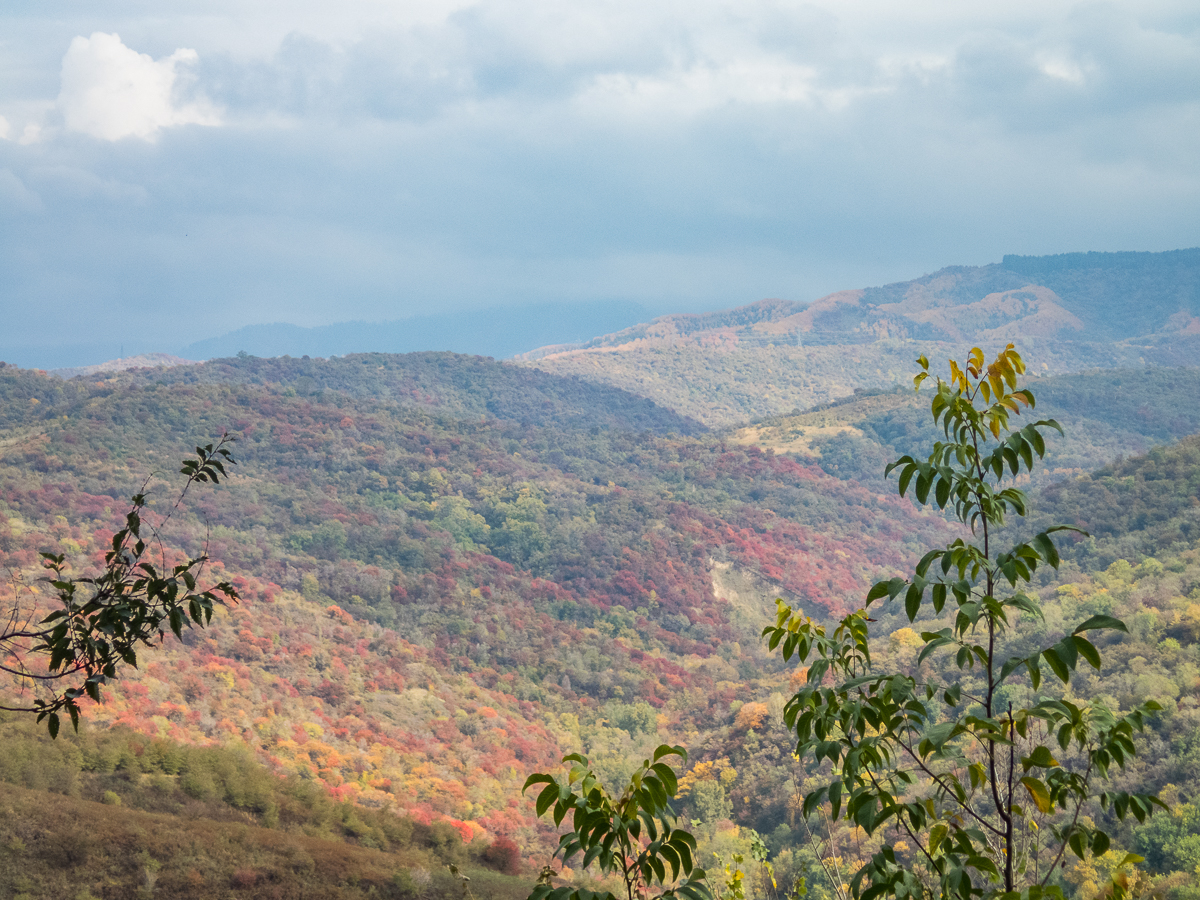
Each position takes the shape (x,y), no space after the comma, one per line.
(1035,437)
(835,799)
(1087,650)
(1041,758)
(1025,450)
(938,596)
(878,589)
(912,602)
(590,856)
(1056,664)
(546,798)
(1077,845)
(1046,548)
(667,775)
(936,835)
(1099,621)
(939,734)
(924,483)
(668,750)
(1035,673)
(942,494)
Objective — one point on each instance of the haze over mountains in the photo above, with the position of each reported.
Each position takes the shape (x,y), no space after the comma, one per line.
(497,332)
(1073,312)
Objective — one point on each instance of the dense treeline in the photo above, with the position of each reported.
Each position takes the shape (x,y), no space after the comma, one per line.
(464,387)
(1134,508)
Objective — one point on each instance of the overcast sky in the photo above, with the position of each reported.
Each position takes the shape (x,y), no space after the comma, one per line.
(170,171)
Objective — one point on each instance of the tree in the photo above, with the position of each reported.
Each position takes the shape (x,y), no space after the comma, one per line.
(97,624)
(989,792)
(632,835)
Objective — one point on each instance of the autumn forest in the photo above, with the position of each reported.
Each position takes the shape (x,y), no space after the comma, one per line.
(453,571)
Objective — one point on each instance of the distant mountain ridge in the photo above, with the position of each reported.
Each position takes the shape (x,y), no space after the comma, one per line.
(1072,312)
(1120,295)
(1074,296)
(496,332)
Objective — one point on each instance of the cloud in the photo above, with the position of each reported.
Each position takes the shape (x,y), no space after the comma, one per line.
(378,160)
(111,92)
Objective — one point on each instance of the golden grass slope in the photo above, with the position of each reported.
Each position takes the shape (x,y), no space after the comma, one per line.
(794,434)
(734,385)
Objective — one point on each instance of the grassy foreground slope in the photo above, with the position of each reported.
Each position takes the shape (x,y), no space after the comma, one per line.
(114,814)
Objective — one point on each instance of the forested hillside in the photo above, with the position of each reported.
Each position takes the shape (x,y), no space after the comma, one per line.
(1142,566)
(434,604)
(455,571)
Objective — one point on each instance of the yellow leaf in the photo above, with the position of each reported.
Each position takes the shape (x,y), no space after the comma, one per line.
(1038,792)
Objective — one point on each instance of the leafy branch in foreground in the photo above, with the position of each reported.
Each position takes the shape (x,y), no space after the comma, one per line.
(991,794)
(632,836)
(98,623)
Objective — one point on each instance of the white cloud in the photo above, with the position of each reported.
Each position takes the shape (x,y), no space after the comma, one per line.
(110,91)
(1063,70)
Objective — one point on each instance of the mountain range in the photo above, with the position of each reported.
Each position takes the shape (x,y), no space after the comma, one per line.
(455,570)
(1073,312)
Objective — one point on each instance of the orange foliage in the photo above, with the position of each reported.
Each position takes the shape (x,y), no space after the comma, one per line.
(751,716)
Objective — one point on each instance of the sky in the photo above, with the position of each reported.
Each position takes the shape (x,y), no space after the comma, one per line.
(173,171)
